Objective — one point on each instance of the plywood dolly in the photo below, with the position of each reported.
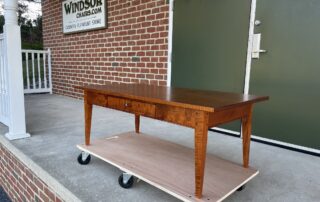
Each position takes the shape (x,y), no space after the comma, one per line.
(125,180)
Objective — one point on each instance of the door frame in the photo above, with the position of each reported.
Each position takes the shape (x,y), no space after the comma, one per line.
(249,49)
(246,86)
(170,39)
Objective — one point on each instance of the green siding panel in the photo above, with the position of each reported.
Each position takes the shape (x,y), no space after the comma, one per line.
(210,45)
(289,72)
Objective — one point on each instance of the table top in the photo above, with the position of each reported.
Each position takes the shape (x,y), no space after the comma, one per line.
(203,100)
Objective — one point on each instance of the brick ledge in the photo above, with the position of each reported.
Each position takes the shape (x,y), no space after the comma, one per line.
(52,183)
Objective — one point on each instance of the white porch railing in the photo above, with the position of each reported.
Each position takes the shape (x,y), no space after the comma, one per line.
(4,93)
(36,66)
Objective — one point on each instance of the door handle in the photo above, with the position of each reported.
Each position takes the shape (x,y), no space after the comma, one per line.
(260,51)
(256,46)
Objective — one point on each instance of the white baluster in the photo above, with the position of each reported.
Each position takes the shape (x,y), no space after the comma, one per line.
(33,74)
(27,70)
(44,70)
(39,72)
(50,69)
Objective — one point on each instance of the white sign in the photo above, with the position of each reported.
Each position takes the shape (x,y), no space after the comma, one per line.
(83,15)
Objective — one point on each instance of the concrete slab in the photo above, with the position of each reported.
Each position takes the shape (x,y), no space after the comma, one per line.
(56,125)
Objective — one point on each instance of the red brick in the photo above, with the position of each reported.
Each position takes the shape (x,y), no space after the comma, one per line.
(44,197)
(135,28)
(58,199)
(38,183)
(18,184)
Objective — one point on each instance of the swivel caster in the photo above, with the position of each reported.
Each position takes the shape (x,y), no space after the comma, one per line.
(126,180)
(84,158)
(241,188)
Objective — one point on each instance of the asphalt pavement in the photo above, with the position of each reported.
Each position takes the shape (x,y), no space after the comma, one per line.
(3,196)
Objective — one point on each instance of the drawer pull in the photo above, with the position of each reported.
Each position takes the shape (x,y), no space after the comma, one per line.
(131,106)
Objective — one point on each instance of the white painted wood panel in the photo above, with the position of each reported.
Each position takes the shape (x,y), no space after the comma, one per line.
(36,66)
(4,96)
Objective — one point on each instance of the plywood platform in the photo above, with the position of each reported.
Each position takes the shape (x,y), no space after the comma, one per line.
(169,166)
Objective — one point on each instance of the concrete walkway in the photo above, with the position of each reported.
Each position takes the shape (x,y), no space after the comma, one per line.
(56,125)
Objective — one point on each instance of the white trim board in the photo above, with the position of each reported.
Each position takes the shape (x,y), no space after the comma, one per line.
(249,51)
(289,145)
(308,149)
(227,131)
(37,90)
(170,36)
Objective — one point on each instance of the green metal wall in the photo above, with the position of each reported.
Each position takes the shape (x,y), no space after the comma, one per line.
(210,45)
(289,72)
(209,52)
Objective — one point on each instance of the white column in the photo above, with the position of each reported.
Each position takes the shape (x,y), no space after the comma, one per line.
(12,37)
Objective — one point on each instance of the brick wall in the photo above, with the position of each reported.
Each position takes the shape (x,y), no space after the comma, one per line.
(133,49)
(20,183)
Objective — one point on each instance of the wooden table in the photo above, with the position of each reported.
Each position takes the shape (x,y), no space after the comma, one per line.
(197,109)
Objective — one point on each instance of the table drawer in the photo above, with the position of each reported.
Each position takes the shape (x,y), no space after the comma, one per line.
(132,106)
(97,99)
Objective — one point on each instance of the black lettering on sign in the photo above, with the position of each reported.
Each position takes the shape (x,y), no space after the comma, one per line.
(76,6)
(98,21)
(67,8)
(99,2)
(87,4)
(81,5)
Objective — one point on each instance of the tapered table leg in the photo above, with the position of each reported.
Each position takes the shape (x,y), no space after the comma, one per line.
(246,137)
(88,117)
(137,123)
(201,138)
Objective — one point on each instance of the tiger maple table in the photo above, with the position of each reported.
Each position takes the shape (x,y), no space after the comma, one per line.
(197,109)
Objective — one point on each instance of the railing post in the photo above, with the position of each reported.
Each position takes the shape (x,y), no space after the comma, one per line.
(49,68)
(12,41)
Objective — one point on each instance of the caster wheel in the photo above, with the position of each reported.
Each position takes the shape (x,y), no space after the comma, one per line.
(125,185)
(241,188)
(84,162)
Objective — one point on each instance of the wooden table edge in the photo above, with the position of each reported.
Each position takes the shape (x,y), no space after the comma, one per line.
(171,103)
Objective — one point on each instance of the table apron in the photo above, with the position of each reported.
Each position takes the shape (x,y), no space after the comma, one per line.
(228,115)
(177,115)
